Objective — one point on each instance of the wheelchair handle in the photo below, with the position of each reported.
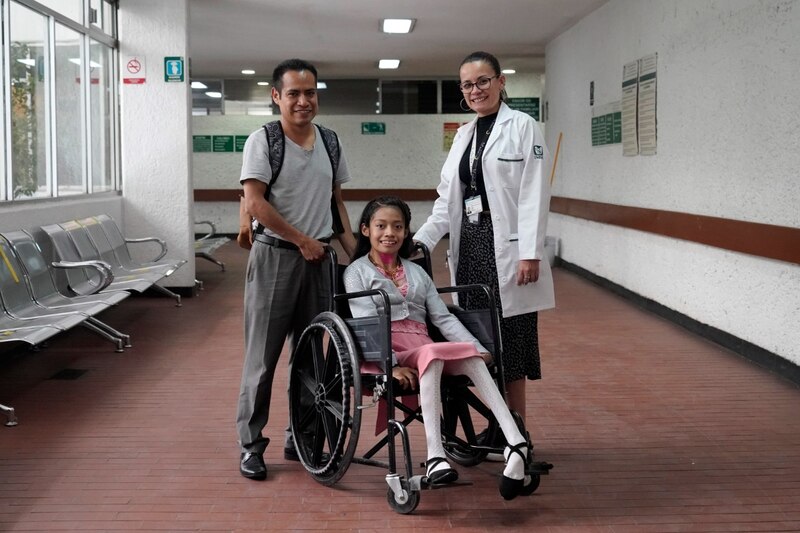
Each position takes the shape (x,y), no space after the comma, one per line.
(333,265)
(426,257)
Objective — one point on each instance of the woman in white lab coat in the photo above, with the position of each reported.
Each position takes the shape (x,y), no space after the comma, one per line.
(493,201)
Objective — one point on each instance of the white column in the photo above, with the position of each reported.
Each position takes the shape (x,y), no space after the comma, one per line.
(155,131)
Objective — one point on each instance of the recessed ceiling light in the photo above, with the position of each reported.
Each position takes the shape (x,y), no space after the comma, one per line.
(508,71)
(388,63)
(397,25)
(248,72)
(322,85)
(263,83)
(214,94)
(199,85)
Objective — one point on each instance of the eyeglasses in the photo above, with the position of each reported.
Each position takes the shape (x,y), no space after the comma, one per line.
(482,84)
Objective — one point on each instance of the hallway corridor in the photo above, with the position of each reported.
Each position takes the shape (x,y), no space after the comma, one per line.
(650,428)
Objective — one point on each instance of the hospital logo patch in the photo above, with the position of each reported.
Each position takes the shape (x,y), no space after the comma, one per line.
(538,152)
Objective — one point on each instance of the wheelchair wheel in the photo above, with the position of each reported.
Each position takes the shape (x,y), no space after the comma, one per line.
(468,426)
(411,500)
(324,398)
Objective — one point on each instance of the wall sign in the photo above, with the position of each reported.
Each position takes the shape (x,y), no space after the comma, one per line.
(528,105)
(133,71)
(173,69)
(373,128)
(201,143)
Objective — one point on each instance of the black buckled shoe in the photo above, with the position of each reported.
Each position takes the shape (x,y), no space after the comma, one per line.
(252,466)
(443,476)
(511,488)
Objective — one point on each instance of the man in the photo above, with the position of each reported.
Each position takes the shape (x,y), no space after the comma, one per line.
(286,286)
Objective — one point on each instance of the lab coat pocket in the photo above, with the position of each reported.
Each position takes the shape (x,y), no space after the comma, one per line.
(511,158)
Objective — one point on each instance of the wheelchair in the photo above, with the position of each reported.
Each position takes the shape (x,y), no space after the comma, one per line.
(326,388)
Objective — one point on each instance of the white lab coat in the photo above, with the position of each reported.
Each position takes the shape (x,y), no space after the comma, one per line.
(515,164)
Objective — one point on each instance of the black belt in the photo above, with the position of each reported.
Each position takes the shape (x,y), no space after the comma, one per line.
(280,243)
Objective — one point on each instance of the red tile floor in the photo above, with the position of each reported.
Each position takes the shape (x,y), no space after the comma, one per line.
(650,428)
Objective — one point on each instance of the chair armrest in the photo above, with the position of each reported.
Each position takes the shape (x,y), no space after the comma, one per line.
(211,232)
(102,268)
(151,239)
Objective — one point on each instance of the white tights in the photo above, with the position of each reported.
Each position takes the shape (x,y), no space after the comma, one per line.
(431,402)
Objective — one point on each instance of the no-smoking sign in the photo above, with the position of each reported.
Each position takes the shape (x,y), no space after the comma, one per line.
(133,71)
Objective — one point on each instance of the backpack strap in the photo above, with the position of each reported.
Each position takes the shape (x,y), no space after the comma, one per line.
(331,142)
(276,145)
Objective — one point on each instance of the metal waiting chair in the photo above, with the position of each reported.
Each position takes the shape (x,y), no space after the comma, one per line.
(120,246)
(43,289)
(209,243)
(18,303)
(73,244)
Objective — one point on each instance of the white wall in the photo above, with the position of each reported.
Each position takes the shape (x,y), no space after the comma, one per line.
(728,139)
(23,215)
(155,124)
(409,156)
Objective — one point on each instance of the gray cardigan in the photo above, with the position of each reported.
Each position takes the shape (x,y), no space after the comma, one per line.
(422,298)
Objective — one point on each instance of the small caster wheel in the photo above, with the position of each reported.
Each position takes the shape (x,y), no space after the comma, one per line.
(409,502)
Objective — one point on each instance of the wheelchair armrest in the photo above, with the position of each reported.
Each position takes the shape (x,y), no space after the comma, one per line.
(387,312)
(102,268)
(151,239)
(469,288)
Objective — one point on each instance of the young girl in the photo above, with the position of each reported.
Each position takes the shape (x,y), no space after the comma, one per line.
(381,261)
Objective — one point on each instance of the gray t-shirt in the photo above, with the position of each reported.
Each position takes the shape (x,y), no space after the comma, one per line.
(302,192)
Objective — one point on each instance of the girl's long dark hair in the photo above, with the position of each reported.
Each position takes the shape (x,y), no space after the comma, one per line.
(363,246)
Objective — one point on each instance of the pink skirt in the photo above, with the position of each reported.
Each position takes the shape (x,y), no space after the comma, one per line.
(415,350)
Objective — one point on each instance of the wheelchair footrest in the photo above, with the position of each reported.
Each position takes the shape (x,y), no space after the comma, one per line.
(539,468)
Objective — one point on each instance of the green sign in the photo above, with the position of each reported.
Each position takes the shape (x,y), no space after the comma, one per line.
(526,105)
(238,142)
(223,143)
(373,128)
(201,143)
(173,69)
(607,129)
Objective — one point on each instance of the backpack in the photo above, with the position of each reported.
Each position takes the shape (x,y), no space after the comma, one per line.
(276,141)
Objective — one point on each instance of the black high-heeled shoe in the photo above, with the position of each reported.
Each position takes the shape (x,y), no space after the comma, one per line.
(442,476)
(511,488)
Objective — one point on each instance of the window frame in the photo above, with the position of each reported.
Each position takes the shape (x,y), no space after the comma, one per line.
(88,32)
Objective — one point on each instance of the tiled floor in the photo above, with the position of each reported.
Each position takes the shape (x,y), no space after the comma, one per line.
(649,427)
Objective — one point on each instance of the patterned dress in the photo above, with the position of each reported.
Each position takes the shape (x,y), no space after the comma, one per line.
(519,333)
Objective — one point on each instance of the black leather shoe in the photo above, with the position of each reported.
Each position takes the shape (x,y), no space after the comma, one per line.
(252,466)
(290,453)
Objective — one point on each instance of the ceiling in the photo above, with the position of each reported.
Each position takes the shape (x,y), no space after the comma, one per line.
(343,38)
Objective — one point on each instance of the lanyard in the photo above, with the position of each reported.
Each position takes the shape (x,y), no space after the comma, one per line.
(475,154)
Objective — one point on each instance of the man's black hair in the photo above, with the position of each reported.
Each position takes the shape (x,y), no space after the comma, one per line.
(291,64)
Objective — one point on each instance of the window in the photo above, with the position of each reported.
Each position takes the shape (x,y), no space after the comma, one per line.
(69,86)
(339,97)
(59,117)
(101,113)
(27,62)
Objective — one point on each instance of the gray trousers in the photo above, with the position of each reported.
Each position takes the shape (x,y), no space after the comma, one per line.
(283,293)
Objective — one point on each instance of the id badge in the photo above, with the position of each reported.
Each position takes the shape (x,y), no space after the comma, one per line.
(473,208)
(473,205)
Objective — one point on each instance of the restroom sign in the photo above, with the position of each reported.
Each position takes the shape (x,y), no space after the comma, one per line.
(173,69)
